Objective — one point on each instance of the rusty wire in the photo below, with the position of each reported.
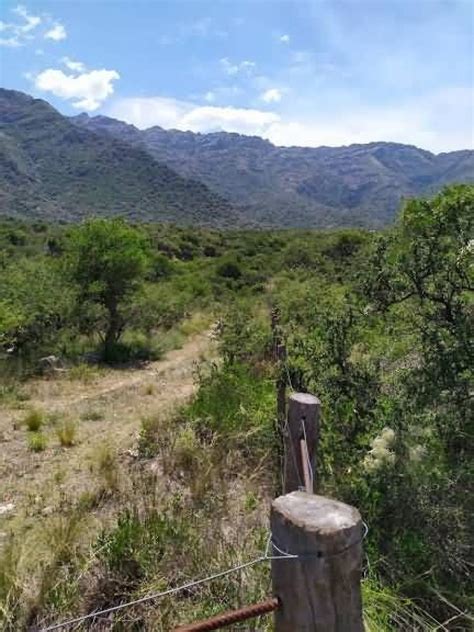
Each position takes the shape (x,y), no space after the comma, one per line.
(232,616)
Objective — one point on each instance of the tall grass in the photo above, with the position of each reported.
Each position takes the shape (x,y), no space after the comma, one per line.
(34,419)
(66,433)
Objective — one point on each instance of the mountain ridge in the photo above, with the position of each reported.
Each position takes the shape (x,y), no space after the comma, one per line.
(54,169)
(67,168)
(357,184)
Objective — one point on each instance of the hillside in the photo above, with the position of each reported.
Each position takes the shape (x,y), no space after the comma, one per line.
(52,169)
(359,185)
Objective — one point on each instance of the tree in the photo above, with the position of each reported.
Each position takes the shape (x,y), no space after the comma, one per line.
(427,263)
(34,306)
(108,260)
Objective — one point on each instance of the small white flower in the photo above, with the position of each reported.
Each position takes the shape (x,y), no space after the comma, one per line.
(416,453)
(380,454)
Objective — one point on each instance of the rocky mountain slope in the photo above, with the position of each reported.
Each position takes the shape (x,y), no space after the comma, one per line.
(53,169)
(60,168)
(298,186)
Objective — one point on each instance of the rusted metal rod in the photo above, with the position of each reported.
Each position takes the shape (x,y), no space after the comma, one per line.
(233,616)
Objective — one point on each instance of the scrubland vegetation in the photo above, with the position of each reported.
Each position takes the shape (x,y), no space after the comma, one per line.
(378,325)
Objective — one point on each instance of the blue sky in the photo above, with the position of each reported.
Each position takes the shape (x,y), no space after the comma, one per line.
(322,72)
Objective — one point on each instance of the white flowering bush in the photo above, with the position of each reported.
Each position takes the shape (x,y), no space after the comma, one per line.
(380,455)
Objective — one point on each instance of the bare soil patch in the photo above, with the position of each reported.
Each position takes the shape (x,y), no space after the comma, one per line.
(107,410)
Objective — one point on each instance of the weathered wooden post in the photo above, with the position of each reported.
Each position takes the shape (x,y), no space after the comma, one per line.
(281,384)
(320,590)
(304,412)
(279,358)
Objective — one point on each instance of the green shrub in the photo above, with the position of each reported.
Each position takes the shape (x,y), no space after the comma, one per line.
(139,542)
(34,419)
(236,403)
(136,346)
(229,269)
(86,373)
(37,442)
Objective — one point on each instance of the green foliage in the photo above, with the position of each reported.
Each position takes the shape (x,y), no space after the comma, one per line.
(108,259)
(237,404)
(34,419)
(229,269)
(379,326)
(140,541)
(37,442)
(390,355)
(34,304)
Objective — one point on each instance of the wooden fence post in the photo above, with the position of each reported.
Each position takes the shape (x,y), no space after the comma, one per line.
(319,592)
(304,411)
(279,358)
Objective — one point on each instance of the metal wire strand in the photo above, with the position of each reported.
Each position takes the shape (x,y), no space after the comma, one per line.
(172,591)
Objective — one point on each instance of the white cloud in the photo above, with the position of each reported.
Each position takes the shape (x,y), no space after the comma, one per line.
(439,121)
(183,115)
(24,28)
(272,95)
(229,119)
(88,90)
(18,33)
(31,21)
(235,68)
(56,33)
(11,42)
(77,66)
(210,97)
(201,28)
(285,39)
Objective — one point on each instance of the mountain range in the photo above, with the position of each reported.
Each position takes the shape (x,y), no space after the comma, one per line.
(52,169)
(58,167)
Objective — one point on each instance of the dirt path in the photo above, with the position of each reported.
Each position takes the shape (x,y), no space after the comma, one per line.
(107,411)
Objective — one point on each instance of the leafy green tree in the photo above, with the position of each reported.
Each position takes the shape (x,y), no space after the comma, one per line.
(34,305)
(108,259)
(426,268)
(422,274)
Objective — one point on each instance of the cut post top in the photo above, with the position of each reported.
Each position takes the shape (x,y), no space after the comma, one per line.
(305,398)
(316,514)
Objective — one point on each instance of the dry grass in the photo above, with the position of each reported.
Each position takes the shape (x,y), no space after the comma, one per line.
(92,414)
(149,389)
(86,373)
(105,466)
(66,433)
(55,483)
